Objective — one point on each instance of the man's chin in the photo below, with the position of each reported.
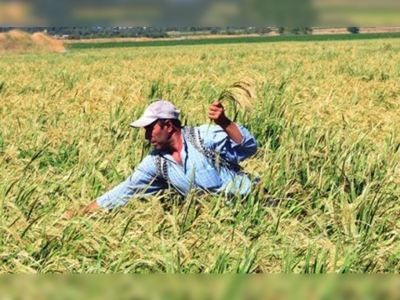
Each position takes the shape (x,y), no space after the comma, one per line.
(157,147)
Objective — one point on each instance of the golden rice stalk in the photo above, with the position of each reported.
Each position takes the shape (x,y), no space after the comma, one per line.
(240,94)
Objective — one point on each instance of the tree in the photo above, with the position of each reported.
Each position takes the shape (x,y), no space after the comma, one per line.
(295,30)
(215,30)
(262,30)
(307,30)
(353,30)
(301,30)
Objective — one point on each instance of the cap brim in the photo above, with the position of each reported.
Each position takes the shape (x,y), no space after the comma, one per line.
(142,122)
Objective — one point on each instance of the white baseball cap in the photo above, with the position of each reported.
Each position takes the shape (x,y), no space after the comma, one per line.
(161,109)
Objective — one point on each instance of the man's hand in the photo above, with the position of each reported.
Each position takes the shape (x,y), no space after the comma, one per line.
(87,209)
(69,214)
(217,114)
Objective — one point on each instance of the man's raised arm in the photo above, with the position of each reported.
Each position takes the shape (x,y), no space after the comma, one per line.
(217,114)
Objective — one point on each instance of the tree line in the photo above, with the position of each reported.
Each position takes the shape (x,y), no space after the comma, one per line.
(159,32)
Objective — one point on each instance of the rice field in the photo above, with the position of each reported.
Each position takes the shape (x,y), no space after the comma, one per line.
(325,115)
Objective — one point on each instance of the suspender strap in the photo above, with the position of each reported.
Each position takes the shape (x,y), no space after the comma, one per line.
(161,166)
(216,160)
(194,138)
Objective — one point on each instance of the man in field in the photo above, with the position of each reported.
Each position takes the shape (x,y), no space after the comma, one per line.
(185,158)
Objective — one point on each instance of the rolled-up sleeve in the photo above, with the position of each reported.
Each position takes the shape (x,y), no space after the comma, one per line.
(216,138)
(143,181)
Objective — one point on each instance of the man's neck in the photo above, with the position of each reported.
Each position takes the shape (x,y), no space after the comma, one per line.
(176,145)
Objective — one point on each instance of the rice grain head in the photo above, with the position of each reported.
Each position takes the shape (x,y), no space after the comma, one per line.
(240,93)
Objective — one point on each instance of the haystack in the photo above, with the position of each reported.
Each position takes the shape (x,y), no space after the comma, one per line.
(46,41)
(16,41)
(18,35)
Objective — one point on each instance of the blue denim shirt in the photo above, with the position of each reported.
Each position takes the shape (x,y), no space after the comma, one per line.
(197,171)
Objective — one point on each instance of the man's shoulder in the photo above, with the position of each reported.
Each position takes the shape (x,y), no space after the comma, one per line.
(148,163)
(202,129)
(147,159)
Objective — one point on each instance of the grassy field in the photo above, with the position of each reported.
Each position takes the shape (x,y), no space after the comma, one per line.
(326,118)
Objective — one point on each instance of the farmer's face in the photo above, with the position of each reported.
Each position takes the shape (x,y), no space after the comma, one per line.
(158,135)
